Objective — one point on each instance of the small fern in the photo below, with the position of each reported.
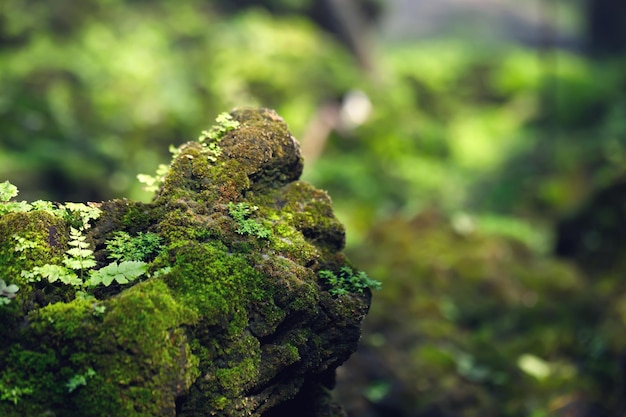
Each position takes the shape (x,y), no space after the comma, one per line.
(7,192)
(224,123)
(80,256)
(122,273)
(124,247)
(347,281)
(245,226)
(79,262)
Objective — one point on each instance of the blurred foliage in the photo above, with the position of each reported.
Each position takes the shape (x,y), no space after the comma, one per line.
(493,145)
(474,324)
(503,131)
(93,95)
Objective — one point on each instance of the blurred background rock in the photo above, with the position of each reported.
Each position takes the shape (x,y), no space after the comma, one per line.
(475,150)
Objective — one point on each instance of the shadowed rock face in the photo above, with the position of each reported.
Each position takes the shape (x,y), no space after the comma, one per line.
(236,322)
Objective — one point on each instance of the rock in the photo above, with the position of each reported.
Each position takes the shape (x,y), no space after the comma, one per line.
(230,318)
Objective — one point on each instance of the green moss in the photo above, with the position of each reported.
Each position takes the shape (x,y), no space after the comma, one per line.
(268,153)
(309,211)
(41,227)
(137,349)
(220,286)
(48,234)
(63,320)
(194,179)
(235,324)
(484,302)
(240,375)
(138,217)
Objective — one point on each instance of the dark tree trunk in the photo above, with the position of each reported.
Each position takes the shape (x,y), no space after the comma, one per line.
(606,27)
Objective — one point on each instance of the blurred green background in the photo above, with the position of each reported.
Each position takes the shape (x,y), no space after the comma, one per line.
(475,151)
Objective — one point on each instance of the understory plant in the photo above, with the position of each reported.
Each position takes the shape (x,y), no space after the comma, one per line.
(246,226)
(348,281)
(128,254)
(7,292)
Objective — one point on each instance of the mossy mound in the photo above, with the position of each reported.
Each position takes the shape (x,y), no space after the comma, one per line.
(231,318)
(476,324)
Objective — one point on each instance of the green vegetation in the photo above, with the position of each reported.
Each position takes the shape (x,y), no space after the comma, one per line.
(499,144)
(122,273)
(8,191)
(124,247)
(80,379)
(78,263)
(218,282)
(347,281)
(245,226)
(13,393)
(7,292)
(209,139)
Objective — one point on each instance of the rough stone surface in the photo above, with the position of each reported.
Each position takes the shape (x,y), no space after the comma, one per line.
(237,325)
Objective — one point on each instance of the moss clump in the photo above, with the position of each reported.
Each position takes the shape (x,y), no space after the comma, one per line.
(136,346)
(231,319)
(46,238)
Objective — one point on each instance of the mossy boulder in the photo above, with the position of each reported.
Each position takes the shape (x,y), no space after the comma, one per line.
(231,317)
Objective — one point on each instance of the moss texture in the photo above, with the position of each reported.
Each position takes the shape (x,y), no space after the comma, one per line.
(236,325)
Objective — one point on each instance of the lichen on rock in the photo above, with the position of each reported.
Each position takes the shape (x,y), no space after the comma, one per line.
(228,321)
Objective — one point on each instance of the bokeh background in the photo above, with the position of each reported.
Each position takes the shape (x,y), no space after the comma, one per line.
(475,150)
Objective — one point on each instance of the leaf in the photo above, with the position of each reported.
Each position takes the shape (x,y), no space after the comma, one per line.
(122,273)
(78,264)
(80,253)
(51,272)
(149,180)
(107,274)
(12,288)
(7,191)
(70,278)
(23,243)
(162,271)
(8,291)
(44,206)
(14,207)
(54,273)
(30,276)
(95,278)
(132,269)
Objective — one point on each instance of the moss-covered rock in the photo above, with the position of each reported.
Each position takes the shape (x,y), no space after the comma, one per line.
(231,318)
